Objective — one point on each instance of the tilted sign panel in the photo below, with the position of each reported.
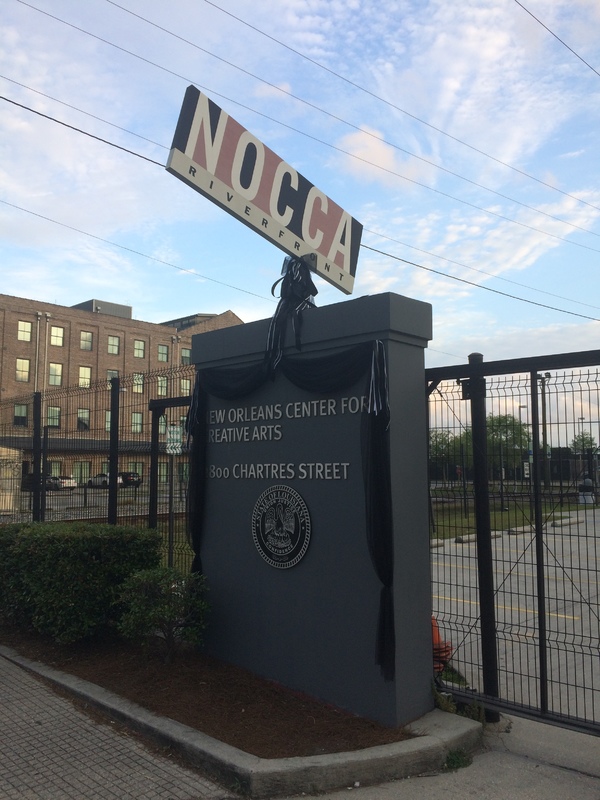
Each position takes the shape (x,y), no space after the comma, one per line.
(219,158)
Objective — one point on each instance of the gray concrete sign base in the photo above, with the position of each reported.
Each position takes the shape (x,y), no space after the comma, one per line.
(436,735)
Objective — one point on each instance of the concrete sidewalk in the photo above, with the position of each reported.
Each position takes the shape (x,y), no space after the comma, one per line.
(520,760)
(52,751)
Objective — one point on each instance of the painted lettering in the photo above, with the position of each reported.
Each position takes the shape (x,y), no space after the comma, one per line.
(248,165)
(284,217)
(308,221)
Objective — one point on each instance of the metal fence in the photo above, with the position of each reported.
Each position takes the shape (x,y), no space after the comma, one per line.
(515,532)
(88,452)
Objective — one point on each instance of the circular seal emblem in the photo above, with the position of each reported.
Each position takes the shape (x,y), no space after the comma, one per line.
(281,526)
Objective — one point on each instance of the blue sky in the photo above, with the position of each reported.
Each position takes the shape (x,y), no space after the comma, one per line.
(463,136)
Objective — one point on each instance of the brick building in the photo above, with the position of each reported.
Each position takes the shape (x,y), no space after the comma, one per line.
(45,346)
(68,354)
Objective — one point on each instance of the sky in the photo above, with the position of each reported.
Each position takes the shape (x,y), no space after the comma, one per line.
(463,136)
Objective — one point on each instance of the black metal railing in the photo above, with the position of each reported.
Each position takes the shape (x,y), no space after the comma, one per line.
(87,452)
(515,529)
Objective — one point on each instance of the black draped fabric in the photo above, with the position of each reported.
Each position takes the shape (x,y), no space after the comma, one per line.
(323,375)
(297,293)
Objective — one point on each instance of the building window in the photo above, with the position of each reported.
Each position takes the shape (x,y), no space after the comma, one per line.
(24,331)
(162,424)
(163,471)
(136,466)
(53,418)
(110,374)
(83,419)
(22,373)
(136,421)
(55,468)
(20,416)
(183,471)
(107,420)
(114,345)
(186,355)
(57,335)
(161,386)
(82,471)
(185,385)
(85,376)
(163,352)
(139,348)
(86,339)
(55,374)
(138,382)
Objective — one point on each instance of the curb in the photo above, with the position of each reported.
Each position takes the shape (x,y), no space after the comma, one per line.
(437,733)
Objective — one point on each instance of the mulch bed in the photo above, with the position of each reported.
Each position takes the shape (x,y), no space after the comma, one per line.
(221,700)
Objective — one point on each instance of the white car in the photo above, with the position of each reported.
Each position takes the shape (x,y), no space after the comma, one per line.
(66,482)
(102,480)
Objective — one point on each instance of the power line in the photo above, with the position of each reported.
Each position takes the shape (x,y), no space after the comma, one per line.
(389,103)
(349,154)
(331,116)
(81,111)
(79,130)
(131,250)
(245,291)
(478,285)
(131,152)
(551,32)
(357,158)
(480,271)
(452,277)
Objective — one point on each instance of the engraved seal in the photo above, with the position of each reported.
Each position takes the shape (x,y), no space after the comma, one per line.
(281,526)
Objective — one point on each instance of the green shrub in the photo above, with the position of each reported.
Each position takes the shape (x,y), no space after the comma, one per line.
(164,603)
(62,578)
(12,608)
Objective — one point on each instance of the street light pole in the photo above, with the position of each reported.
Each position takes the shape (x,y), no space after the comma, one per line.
(581,421)
(545,470)
(521,445)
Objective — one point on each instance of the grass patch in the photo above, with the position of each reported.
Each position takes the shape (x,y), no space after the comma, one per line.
(457,759)
(452,519)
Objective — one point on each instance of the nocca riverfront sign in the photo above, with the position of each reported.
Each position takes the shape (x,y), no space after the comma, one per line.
(219,158)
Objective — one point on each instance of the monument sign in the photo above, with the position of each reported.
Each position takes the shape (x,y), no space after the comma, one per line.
(310,516)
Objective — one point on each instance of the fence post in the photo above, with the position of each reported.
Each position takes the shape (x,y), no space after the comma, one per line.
(113,455)
(44,473)
(36,511)
(157,412)
(538,516)
(474,389)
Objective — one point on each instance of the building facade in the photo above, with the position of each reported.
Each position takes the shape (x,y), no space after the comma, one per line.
(68,355)
(46,346)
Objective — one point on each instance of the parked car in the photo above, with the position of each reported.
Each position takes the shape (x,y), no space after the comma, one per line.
(130,478)
(52,483)
(102,480)
(55,483)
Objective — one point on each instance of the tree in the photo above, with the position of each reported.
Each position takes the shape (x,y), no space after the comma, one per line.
(440,446)
(583,442)
(507,441)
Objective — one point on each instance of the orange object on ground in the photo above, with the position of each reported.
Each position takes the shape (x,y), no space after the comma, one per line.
(442,651)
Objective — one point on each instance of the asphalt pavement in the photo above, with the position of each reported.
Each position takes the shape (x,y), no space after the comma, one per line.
(52,749)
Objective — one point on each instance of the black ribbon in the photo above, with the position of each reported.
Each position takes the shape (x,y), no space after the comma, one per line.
(296,294)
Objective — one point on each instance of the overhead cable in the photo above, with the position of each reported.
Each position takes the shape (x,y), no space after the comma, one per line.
(551,32)
(303,101)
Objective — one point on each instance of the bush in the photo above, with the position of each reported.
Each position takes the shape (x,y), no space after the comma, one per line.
(11,588)
(62,578)
(166,603)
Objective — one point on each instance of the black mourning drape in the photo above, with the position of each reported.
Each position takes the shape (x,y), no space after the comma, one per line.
(323,375)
